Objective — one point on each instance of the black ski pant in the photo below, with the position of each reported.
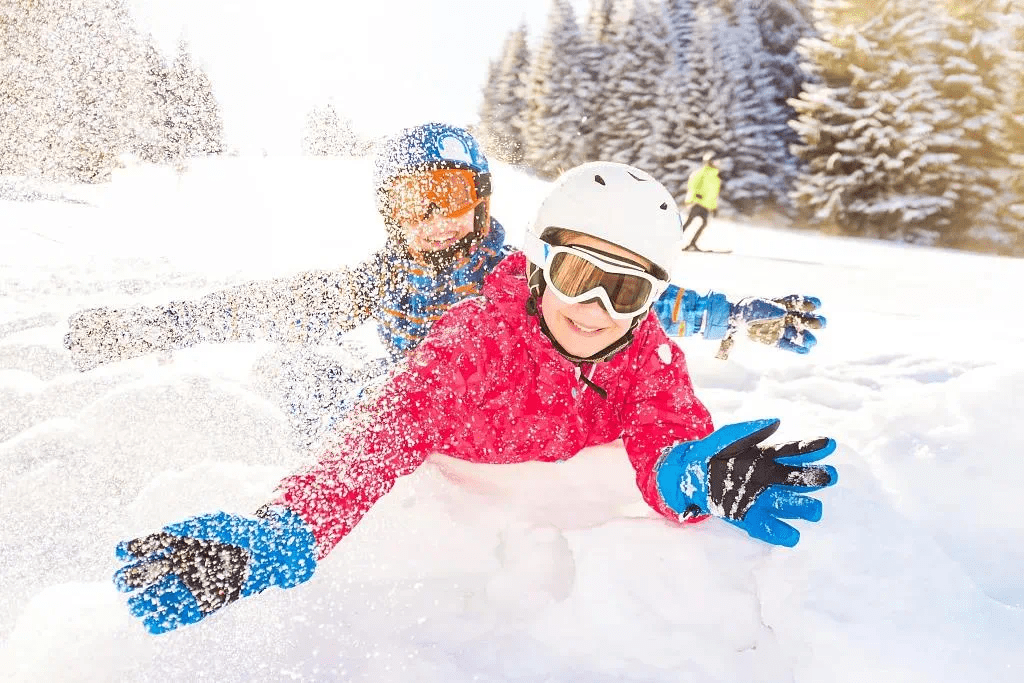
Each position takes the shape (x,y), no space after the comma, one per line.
(696,211)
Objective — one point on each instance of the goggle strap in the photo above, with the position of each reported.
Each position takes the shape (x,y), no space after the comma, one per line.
(539,252)
(610,259)
(536,249)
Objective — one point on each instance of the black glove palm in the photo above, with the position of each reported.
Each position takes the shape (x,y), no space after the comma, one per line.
(212,572)
(738,475)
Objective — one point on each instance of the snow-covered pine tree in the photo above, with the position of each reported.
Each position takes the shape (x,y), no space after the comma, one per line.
(556,89)
(503,109)
(1012,204)
(158,143)
(988,37)
(23,93)
(782,24)
(760,167)
(595,57)
(975,89)
(73,87)
(636,67)
(600,19)
(680,17)
(197,114)
(327,134)
(702,119)
(484,133)
(711,101)
(670,146)
(873,163)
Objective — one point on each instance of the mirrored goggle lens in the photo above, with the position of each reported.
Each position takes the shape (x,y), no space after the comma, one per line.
(573,275)
(419,197)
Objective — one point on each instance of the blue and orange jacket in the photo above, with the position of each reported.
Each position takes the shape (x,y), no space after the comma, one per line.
(406,297)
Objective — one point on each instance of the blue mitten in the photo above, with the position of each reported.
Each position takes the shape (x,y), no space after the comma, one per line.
(727,474)
(783,323)
(191,569)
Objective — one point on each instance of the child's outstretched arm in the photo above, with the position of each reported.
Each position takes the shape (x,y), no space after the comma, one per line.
(660,411)
(189,570)
(687,472)
(312,307)
(784,323)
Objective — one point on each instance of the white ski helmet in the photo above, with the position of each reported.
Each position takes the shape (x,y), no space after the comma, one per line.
(617,203)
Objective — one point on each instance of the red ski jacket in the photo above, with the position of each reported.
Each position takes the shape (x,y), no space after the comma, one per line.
(487,386)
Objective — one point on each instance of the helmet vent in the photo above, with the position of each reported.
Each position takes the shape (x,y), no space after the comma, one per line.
(636,178)
(664,206)
(599,180)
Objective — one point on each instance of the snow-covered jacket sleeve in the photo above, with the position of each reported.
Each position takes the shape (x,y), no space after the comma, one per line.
(428,398)
(683,312)
(309,308)
(661,410)
(313,307)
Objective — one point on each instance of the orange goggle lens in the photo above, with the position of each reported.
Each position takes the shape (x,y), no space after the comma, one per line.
(418,197)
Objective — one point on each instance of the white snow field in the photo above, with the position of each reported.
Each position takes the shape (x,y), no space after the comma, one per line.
(536,572)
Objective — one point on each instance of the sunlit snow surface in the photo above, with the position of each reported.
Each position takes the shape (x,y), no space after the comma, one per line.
(532,572)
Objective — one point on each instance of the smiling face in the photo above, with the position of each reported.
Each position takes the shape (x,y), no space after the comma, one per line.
(438,233)
(585,328)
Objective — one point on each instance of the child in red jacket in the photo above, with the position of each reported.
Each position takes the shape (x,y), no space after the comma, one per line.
(560,352)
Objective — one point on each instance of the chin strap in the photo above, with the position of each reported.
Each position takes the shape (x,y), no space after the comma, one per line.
(586,380)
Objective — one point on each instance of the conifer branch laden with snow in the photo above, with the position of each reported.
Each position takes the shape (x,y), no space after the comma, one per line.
(557,88)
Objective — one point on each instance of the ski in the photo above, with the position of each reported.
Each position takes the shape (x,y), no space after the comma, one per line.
(708,251)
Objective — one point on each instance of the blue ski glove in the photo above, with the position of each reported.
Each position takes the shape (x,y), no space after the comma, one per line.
(727,474)
(191,569)
(783,323)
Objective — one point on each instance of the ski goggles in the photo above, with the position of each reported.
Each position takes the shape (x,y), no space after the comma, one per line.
(418,197)
(577,273)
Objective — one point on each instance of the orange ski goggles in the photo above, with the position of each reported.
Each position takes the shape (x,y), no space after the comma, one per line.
(418,197)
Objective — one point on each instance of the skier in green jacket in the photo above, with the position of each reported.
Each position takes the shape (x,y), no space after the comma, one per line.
(702,196)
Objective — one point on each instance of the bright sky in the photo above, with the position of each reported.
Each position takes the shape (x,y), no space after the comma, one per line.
(385,63)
